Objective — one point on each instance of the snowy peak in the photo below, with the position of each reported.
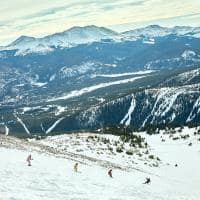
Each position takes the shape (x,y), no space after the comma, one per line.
(91,31)
(68,38)
(22,40)
(88,34)
(149,31)
(158,31)
(80,35)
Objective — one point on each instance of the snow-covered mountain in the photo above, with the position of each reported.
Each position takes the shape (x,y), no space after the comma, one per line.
(69,38)
(158,31)
(81,87)
(149,108)
(149,31)
(92,79)
(88,34)
(141,100)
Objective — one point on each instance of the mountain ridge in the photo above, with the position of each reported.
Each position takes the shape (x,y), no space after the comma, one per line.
(87,34)
(48,89)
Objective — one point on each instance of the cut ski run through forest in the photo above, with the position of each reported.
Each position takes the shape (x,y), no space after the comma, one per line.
(51,175)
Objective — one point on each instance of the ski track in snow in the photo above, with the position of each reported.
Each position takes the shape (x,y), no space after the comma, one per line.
(164,101)
(188,76)
(173,116)
(124,74)
(192,114)
(42,127)
(22,123)
(80,92)
(162,93)
(127,117)
(54,125)
(169,100)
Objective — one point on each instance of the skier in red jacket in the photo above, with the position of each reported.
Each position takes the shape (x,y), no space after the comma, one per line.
(29,158)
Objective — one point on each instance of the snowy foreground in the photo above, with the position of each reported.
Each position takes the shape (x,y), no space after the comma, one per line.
(51,175)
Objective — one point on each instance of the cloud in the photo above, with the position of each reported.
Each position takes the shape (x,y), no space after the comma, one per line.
(79,14)
(45,12)
(112,5)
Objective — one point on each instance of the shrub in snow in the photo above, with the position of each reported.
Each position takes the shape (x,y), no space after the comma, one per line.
(119,149)
(110,148)
(117,130)
(116,143)
(155,165)
(139,154)
(90,137)
(129,152)
(140,145)
(105,141)
(185,136)
(158,159)
(146,152)
(173,131)
(180,130)
(134,140)
(38,137)
(151,156)
(190,144)
(79,150)
(197,132)
(132,145)
(175,138)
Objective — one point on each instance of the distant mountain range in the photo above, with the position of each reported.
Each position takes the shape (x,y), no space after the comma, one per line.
(89,77)
(81,35)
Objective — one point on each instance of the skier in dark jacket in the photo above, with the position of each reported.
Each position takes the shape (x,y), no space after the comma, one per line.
(76,167)
(110,173)
(148,180)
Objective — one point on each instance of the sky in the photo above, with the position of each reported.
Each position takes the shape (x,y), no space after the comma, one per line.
(38,18)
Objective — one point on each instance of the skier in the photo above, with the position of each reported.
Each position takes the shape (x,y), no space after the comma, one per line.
(29,158)
(76,167)
(148,180)
(110,173)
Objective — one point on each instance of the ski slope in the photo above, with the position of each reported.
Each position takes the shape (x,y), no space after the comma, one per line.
(52,177)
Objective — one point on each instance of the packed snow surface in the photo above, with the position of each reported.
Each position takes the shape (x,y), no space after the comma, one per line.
(52,176)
